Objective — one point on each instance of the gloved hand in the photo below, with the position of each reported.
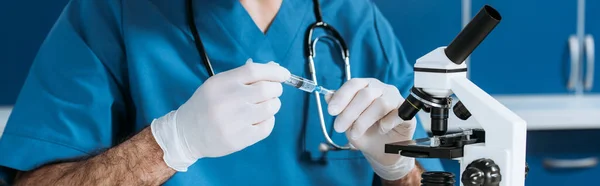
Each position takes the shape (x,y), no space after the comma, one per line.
(229,112)
(367,110)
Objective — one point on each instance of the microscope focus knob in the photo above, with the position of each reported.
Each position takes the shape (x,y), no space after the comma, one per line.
(437,178)
(482,172)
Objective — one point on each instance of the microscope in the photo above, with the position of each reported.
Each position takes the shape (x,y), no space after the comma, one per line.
(493,155)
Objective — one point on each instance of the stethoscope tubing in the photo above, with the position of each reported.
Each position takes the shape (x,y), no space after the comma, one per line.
(311,54)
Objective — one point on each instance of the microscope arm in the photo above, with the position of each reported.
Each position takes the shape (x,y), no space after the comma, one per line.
(505,131)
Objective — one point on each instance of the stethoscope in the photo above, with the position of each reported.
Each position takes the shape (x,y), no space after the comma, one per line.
(311,54)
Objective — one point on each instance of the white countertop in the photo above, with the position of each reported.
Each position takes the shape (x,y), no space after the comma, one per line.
(4,113)
(542,112)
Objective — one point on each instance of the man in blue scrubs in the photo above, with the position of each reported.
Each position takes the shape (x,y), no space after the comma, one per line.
(118,94)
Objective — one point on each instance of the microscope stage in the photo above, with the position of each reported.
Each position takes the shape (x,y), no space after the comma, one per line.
(447,146)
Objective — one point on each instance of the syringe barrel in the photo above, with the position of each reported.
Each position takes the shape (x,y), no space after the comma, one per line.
(473,34)
(295,81)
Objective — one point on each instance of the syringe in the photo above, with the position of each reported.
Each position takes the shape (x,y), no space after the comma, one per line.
(307,85)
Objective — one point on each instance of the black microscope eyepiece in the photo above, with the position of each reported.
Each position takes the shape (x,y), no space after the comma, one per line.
(473,34)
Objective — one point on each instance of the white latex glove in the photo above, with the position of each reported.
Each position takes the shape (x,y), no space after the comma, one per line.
(367,110)
(229,112)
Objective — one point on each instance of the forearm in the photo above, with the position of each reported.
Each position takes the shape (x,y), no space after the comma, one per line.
(137,161)
(411,179)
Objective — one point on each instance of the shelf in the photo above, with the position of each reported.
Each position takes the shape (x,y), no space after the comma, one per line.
(542,112)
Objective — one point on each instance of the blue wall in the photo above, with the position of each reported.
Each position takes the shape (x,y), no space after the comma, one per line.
(422,25)
(25,24)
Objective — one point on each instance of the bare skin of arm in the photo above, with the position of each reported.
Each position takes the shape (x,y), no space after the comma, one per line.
(411,179)
(137,161)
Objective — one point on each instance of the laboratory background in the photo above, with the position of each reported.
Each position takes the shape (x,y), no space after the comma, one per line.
(539,62)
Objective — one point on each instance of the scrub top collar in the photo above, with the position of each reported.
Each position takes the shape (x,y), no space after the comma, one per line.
(235,23)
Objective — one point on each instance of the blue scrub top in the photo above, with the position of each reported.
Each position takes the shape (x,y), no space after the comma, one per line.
(108,68)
